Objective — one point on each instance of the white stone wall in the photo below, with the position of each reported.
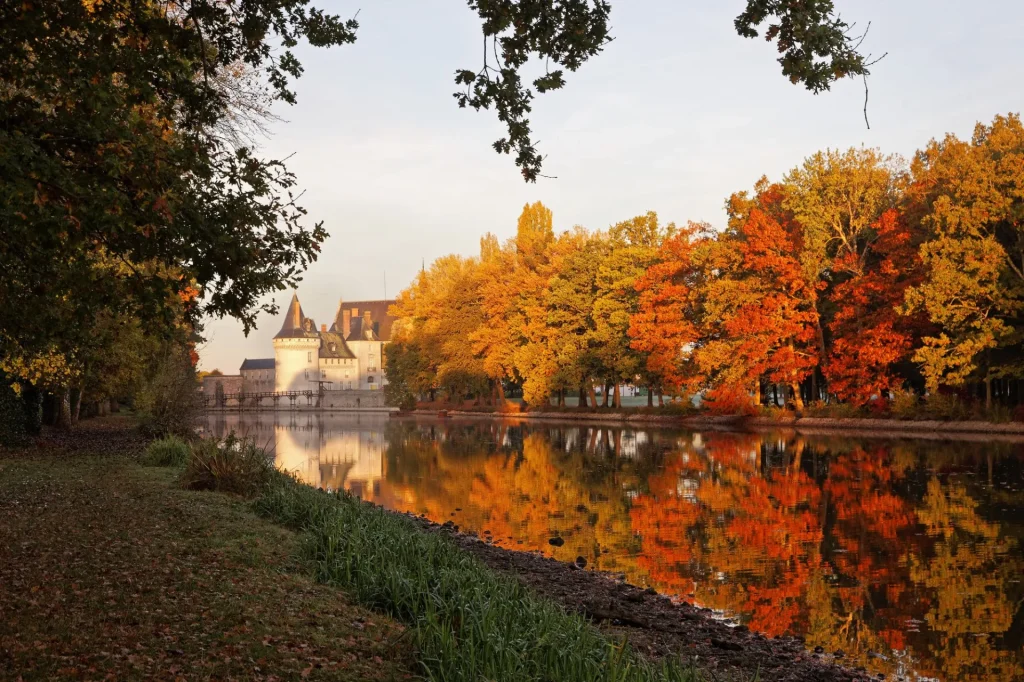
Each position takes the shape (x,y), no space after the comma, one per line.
(343,373)
(370,357)
(297,364)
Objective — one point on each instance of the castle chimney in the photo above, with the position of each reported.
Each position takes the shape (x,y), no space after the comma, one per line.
(346,322)
(323,327)
(367,324)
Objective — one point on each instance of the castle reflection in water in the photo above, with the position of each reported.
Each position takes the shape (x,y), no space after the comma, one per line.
(334,451)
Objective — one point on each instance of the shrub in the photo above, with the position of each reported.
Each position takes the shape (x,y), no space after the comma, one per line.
(833,411)
(166,452)
(730,400)
(995,413)
(678,408)
(169,403)
(945,406)
(236,465)
(905,405)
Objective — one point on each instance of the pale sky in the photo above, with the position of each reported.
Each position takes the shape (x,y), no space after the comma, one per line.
(674,116)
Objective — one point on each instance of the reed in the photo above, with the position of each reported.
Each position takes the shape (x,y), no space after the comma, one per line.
(234,465)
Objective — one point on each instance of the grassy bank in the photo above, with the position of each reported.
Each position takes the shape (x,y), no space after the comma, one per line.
(110,571)
(467,623)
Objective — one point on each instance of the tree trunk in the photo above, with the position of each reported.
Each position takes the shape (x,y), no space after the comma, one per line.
(63,420)
(661,399)
(798,398)
(593,396)
(583,397)
(650,396)
(988,393)
(618,397)
(76,410)
(775,395)
(501,392)
(757,393)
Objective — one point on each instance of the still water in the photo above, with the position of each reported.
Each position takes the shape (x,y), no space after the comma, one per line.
(906,555)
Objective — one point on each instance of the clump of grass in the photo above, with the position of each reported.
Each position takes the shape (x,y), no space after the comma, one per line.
(234,465)
(468,622)
(166,452)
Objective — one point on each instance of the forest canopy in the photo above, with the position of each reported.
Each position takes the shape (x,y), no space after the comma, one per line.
(856,278)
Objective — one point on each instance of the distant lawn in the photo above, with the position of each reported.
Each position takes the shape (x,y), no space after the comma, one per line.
(109,571)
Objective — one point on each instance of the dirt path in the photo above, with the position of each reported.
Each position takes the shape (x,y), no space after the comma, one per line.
(107,571)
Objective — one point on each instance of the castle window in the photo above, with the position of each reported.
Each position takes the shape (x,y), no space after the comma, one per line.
(309,356)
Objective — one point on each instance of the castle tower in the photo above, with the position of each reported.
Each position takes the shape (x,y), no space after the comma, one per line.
(296,352)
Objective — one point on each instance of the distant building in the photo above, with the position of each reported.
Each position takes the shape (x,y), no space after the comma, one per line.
(349,356)
(257,375)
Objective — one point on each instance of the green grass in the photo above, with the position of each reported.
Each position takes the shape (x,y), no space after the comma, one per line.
(166,452)
(468,623)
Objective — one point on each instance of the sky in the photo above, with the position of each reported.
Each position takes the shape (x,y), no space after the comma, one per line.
(675,115)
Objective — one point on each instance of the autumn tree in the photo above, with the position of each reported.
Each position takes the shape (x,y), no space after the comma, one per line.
(664,326)
(534,263)
(494,342)
(762,307)
(870,340)
(632,248)
(569,306)
(970,196)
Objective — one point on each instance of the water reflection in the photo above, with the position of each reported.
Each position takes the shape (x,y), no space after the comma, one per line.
(904,555)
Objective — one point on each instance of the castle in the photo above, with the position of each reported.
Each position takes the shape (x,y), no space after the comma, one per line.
(349,356)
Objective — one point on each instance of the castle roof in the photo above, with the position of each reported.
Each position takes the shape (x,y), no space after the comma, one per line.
(357,333)
(258,363)
(382,321)
(332,345)
(296,325)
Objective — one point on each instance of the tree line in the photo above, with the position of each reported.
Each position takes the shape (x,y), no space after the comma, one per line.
(857,278)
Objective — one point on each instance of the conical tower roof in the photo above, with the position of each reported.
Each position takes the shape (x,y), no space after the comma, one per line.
(296,324)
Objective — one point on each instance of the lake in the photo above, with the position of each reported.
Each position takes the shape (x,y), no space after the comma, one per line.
(906,555)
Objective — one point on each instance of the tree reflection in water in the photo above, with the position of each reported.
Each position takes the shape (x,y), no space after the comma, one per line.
(905,555)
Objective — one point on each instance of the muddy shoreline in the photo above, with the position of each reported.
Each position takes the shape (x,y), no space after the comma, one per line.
(888,428)
(654,624)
